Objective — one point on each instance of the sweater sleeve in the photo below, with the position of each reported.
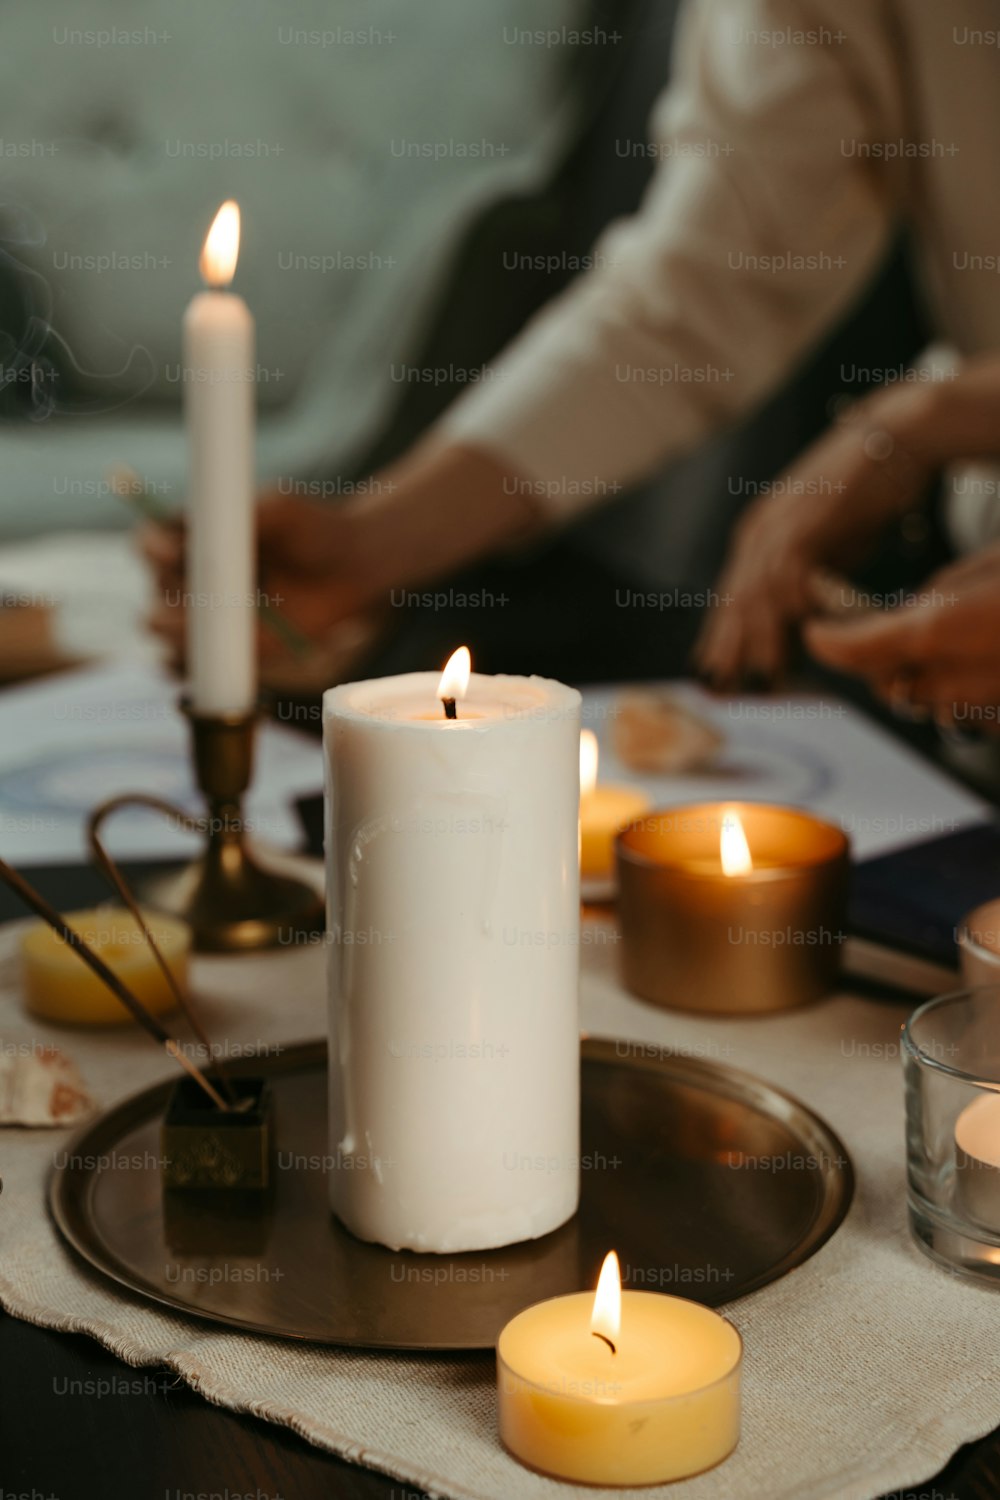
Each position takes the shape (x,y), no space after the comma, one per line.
(770,207)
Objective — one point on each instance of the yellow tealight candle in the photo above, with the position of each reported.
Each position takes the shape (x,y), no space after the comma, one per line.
(604,809)
(60,987)
(620,1388)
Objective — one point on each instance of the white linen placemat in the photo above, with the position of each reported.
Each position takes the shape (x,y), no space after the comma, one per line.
(865,1368)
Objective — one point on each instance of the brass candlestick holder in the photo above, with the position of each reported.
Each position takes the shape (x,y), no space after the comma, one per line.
(229,898)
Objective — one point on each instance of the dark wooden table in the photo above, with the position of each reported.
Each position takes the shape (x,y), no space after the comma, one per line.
(68,1431)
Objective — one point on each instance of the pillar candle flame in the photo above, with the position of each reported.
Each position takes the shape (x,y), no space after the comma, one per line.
(606,1318)
(589,756)
(734,851)
(222,246)
(455,677)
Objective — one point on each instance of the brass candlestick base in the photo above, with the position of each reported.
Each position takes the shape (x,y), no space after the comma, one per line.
(231,901)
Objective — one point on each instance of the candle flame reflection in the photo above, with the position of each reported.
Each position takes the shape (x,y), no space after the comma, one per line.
(606,1319)
(455,677)
(222,246)
(589,755)
(734,851)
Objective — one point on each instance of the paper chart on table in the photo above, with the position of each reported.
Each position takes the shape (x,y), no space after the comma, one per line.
(804,751)
(68,742)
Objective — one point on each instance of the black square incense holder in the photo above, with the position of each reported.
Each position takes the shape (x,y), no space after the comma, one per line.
(205,1147)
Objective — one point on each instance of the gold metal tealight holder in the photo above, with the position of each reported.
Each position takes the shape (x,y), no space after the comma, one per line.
(230,898)
(764,939)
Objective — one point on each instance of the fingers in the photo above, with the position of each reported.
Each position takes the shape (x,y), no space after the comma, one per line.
(933,660)
(878,645)
(745,640)
(166,622)
(296,531)
(272,514)
(956,418)
(951,625)
(765,646)
(162,546)
(717,652)
(949,681)
(742,648)
(967,573)
(956,696)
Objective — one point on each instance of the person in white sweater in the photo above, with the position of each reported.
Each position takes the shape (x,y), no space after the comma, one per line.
(797,138)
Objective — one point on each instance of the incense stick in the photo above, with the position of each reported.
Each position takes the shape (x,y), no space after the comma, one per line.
(79,945)
(111,870)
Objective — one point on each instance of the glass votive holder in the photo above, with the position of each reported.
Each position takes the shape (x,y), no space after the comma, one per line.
(951,1063)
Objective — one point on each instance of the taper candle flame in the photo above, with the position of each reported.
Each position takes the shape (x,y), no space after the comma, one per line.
(454,682)
(606,1318)
(734,851)
(589,757)
(221,250)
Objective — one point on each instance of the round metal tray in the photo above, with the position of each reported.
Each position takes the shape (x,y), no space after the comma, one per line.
(708,1183)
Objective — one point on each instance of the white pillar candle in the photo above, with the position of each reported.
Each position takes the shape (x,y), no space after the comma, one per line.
(454,929)
(218,374)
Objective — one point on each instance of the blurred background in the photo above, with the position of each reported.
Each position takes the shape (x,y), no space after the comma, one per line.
(414,182)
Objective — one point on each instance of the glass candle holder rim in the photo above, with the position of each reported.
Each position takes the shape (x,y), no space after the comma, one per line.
(627,852)
(650,1401)
(915,1052)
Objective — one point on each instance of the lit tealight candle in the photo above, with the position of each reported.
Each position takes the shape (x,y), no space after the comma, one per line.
(604,809)
(619,1388)
(60,988)
(977,1160)
(732,908)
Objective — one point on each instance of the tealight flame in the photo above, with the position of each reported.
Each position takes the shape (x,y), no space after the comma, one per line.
(589,756)
(606,1319)
(455,677)
(734,851)
(222,246)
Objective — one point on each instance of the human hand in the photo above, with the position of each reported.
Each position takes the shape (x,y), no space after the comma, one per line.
(830,509)
(934,657)
(309,580)
(323,565)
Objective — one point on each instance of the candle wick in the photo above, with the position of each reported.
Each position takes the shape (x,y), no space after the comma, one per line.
(449,708)
(605,1339)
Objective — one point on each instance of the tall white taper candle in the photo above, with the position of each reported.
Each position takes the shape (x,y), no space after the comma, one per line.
(218,375)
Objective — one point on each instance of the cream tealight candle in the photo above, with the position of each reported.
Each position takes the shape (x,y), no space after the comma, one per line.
(619,1388)
(219,403)
(977,1160)
(454,943)
(604,809)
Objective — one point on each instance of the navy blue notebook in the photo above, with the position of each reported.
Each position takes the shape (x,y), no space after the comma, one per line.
(913,899)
